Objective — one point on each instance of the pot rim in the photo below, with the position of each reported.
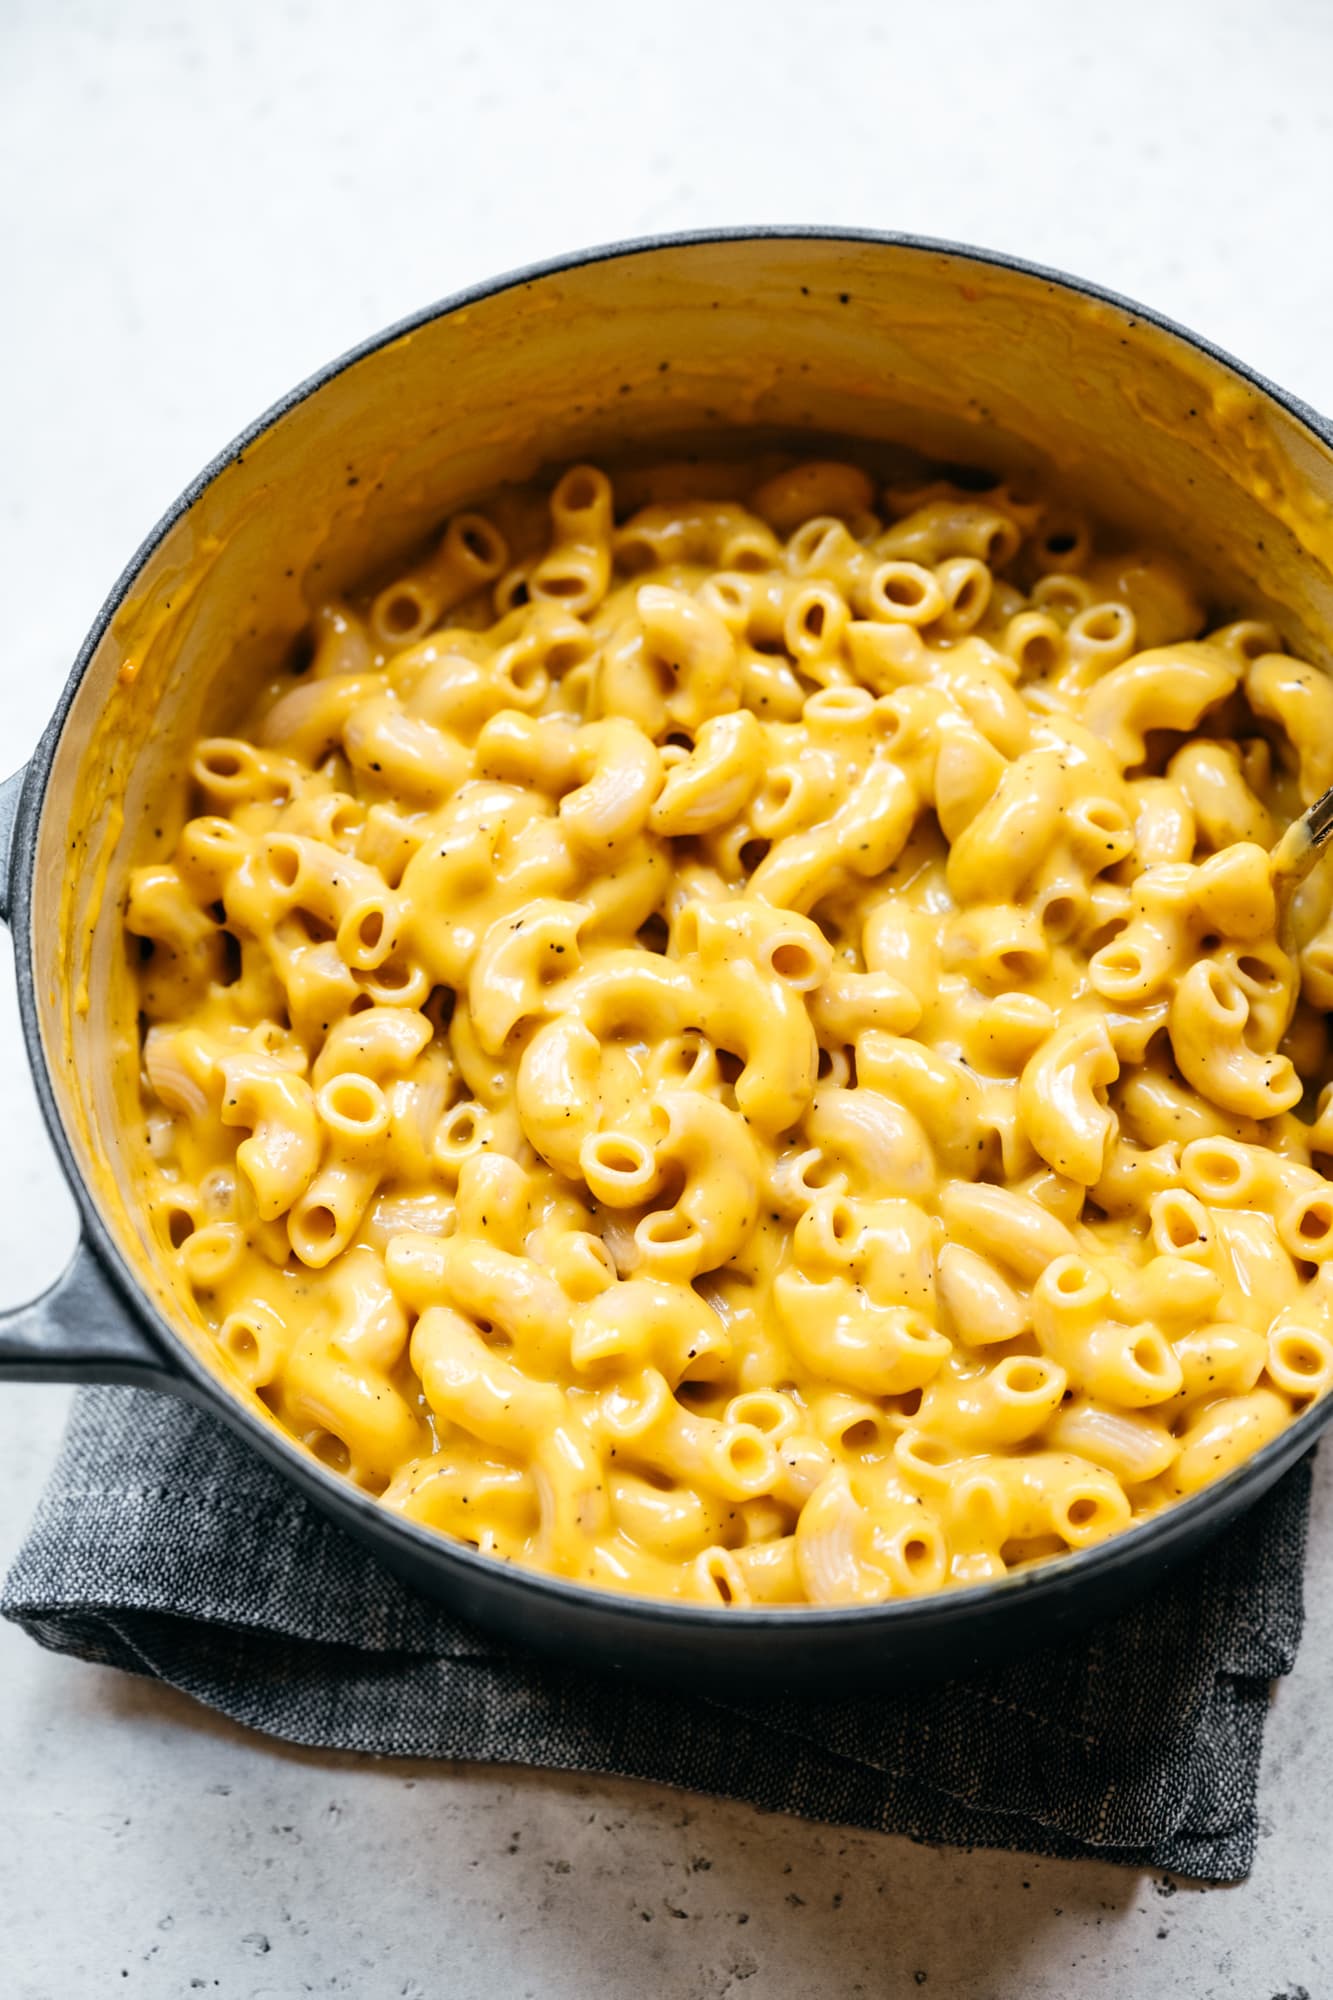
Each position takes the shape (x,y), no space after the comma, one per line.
(1154,1537)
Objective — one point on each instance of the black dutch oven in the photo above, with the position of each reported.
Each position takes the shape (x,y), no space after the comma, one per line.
(954,353)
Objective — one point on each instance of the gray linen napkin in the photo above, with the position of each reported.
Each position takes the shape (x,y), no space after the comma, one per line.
(164,1547)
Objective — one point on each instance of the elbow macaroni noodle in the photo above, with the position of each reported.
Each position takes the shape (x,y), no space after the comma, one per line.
(749,1054)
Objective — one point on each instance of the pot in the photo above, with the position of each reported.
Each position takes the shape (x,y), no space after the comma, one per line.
(942,349)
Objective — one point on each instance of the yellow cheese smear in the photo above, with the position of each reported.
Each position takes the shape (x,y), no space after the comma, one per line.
(745,1049)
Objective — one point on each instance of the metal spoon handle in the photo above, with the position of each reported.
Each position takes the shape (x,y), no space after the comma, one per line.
(1302,844)
(1291,861)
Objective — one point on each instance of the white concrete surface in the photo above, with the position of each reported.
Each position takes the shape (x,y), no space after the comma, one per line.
(197,206)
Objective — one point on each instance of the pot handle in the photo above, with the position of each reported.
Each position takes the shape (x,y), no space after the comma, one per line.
(81,1329)
(10,793)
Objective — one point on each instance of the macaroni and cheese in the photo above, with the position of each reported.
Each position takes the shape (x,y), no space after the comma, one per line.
(750,1052)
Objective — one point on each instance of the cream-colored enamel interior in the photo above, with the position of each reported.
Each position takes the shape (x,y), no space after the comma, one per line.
(956,359)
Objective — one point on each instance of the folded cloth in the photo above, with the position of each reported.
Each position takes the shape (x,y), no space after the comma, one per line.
(164,1547)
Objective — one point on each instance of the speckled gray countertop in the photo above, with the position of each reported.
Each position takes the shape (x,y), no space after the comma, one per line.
(197,207)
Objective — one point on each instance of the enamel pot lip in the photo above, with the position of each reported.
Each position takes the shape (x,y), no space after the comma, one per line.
(1154,1541)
